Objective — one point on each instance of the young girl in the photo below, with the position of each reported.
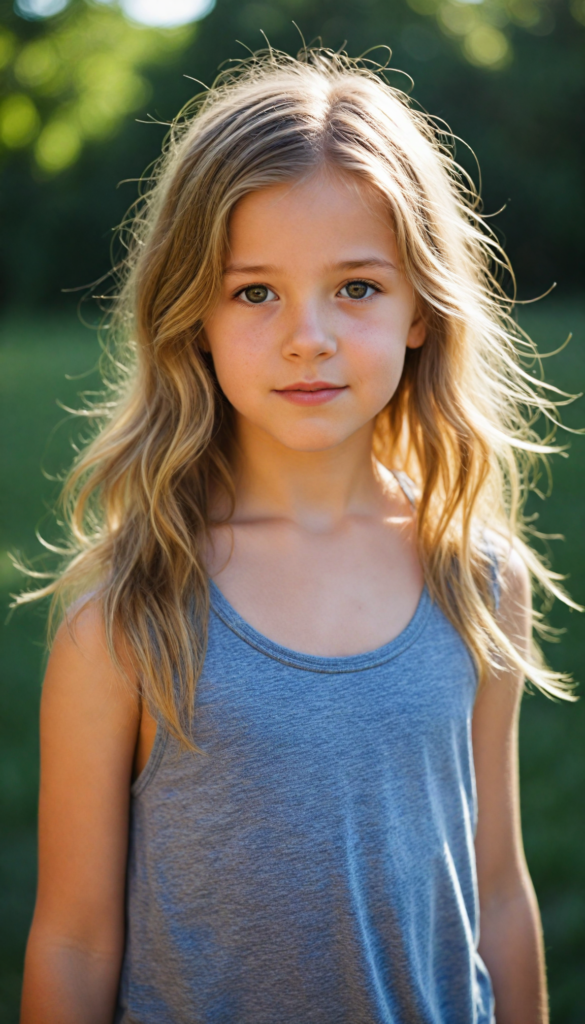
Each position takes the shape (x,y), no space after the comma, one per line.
(279,768)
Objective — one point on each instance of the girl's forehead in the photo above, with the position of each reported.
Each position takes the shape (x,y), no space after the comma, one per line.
(312,189)
(326,211)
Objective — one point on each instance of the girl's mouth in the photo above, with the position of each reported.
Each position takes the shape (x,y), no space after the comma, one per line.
(310,392)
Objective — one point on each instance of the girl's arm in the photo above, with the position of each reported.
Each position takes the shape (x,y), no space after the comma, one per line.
(510,931)
(89,724)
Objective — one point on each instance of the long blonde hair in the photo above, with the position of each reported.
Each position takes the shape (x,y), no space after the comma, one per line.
(137,500)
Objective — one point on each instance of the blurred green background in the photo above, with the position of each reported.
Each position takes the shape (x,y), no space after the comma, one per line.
(87,90)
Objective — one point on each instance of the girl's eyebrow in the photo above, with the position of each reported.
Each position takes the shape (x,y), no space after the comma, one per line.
(367,261)
(266,268)
(241,268)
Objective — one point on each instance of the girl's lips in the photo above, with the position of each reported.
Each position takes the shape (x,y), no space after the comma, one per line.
(311,394)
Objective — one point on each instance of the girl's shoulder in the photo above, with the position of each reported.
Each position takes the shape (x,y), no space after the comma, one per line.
(82,634)
(85,687)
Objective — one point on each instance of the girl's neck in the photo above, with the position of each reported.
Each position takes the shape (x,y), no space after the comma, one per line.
(316,490)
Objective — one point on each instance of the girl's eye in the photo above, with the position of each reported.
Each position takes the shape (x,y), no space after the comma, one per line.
(256,294)
(357,290)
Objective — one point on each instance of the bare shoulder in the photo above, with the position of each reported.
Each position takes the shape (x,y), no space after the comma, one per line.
(82,679)
(82,634)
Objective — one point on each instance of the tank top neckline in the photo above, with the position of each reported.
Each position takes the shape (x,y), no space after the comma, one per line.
(316,662)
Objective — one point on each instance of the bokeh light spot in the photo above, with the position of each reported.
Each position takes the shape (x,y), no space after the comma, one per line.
(7,47)
(166,13)
(457,20)
(19,121)
(37,63)
(40,8)
(487,47)
(426,7)
(58,146)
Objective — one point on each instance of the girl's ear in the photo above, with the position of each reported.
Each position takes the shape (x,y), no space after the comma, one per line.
(417,332)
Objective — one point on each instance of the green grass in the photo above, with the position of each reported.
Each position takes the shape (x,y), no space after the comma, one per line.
(35,356)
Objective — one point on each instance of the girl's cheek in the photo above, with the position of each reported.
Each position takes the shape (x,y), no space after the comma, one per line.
(380,356)
(238,373)
(382,374)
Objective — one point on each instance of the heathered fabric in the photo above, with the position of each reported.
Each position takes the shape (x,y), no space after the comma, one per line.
(315,864)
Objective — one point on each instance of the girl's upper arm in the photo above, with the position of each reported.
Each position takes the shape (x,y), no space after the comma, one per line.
(501,865)
(89,723)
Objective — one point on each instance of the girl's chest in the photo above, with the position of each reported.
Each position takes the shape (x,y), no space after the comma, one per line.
(285,738)
(261,699)
(326,596)
(259,702)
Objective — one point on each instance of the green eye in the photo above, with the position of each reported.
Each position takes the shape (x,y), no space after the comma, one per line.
(357,290)
(256,293)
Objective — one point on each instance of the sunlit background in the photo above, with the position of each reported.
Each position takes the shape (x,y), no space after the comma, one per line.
(75,78)
(87,91)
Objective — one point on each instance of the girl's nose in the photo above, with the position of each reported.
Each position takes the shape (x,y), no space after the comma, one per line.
(310,335)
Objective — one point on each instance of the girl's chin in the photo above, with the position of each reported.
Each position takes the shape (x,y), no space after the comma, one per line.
(311,434)
(312,441)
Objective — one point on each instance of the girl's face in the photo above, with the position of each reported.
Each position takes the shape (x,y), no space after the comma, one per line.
(315,315)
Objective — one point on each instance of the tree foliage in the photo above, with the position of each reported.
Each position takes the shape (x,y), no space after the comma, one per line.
(77,87)
(73,79)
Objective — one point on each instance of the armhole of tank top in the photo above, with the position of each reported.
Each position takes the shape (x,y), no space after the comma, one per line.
(154,760)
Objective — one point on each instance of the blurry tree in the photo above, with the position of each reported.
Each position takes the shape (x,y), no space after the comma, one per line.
(508,75)
(73,79)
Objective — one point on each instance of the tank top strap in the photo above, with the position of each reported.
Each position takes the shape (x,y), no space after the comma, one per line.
(407,486)
(495,570)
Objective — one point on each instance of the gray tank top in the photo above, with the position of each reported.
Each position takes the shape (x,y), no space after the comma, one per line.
(315,863)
